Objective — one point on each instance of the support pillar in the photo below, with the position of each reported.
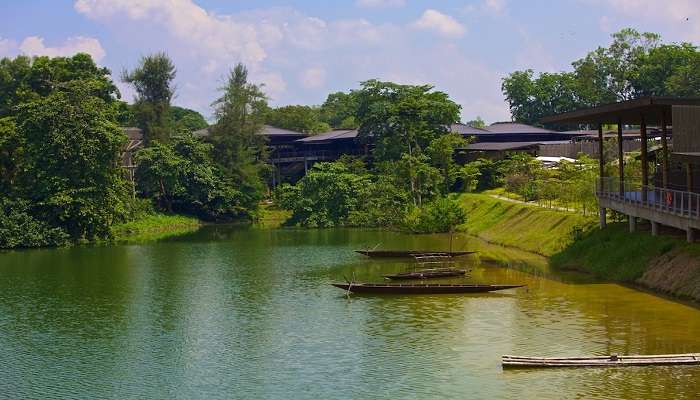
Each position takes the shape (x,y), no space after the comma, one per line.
(690,235)
(633,223)
(602,214)
(689,177)
(654,228)
(664,149)
(306,166)
(601,156)
(645,159)
(621,157)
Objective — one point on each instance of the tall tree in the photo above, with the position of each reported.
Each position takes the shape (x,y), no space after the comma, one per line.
(340,110)
(186,120)
(403,118)
(297,118)
(237,145)
(71,150)
(153,81)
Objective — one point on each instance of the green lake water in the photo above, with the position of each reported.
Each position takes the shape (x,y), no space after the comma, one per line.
(237,313)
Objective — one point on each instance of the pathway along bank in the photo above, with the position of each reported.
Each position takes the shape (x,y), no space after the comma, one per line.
(665,264)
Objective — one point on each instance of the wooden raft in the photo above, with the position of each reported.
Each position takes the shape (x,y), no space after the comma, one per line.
(612,360)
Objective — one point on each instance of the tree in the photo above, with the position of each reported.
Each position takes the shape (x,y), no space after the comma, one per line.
(25,79)
(11,149)
(477,123)
(607,75)
(186,120)
(71,148)
(152,79)
(298,118)
(182,177)
(340,110)
(237,145)
(531,98)
(402,118)
(441,152)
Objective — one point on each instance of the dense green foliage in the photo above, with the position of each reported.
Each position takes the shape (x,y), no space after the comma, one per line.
(186,120)
(304,119)
(181,177)
(237,147)
(59,144)
(152,80)
(402,119)
(635,64)
(152,226)
(340,110)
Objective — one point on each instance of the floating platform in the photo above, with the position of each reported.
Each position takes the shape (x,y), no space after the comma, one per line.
(435,288)
(602,361)
(412,253)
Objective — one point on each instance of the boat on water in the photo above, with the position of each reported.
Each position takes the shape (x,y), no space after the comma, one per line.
(434,288)
(428,274)
(613,360)
(411,253)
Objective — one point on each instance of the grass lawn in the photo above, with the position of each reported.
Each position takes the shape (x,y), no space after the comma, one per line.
(154,227)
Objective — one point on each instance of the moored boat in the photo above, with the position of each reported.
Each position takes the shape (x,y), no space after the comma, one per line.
(613,360)
(411,253)
(427,274)
(435,288)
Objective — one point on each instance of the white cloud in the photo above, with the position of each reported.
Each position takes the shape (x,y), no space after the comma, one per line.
(313,78)
(215,35)
(605,24)
(380,3)
(34,45)
(441,23)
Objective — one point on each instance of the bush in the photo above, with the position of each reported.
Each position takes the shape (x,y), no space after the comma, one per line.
(18,228)
(440,215)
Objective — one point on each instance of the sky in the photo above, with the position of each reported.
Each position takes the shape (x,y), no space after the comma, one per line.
(302,50)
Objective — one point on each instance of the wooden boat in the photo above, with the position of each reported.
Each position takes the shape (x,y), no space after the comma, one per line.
(613,360)
(428,273)
(435,288)
(411,253)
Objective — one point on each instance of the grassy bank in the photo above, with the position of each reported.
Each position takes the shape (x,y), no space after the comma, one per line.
(665,263)
(154,227)
(531,228)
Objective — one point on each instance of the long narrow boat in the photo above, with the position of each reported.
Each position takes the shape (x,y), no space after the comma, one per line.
(427,274)
(601,361)
(435,288)
(411,253)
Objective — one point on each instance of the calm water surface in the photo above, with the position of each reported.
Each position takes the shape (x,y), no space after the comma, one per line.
(249,314)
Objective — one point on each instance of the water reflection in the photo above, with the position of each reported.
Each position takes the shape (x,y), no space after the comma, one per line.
(249,313)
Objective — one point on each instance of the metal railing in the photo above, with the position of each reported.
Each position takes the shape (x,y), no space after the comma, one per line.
(677,202)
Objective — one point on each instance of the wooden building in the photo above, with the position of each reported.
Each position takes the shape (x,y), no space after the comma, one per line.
(673,198)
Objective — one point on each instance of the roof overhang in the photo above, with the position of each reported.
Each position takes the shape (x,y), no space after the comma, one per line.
(650,109)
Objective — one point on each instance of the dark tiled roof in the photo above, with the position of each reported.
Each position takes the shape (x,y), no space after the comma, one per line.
(267,131)
(332,135)
(464,129)
(514,127)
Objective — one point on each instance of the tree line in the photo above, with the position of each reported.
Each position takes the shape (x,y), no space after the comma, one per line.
(635,64)
(61,179)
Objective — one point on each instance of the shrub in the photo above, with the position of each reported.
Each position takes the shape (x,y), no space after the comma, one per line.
(18,228)
(440,215)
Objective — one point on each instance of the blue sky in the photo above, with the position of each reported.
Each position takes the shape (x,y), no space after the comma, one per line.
(302,50)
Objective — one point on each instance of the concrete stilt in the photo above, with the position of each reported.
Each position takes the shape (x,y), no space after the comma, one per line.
(633,223)
(690,235)
(654,228)
(601,213)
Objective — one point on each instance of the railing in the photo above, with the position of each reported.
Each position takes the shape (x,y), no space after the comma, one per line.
(677,202)
(318,154)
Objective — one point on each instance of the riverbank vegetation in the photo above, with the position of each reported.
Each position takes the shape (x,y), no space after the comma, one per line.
(61,145)
(153,226)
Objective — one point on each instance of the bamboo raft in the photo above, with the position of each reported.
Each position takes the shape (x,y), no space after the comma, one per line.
(612,360)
